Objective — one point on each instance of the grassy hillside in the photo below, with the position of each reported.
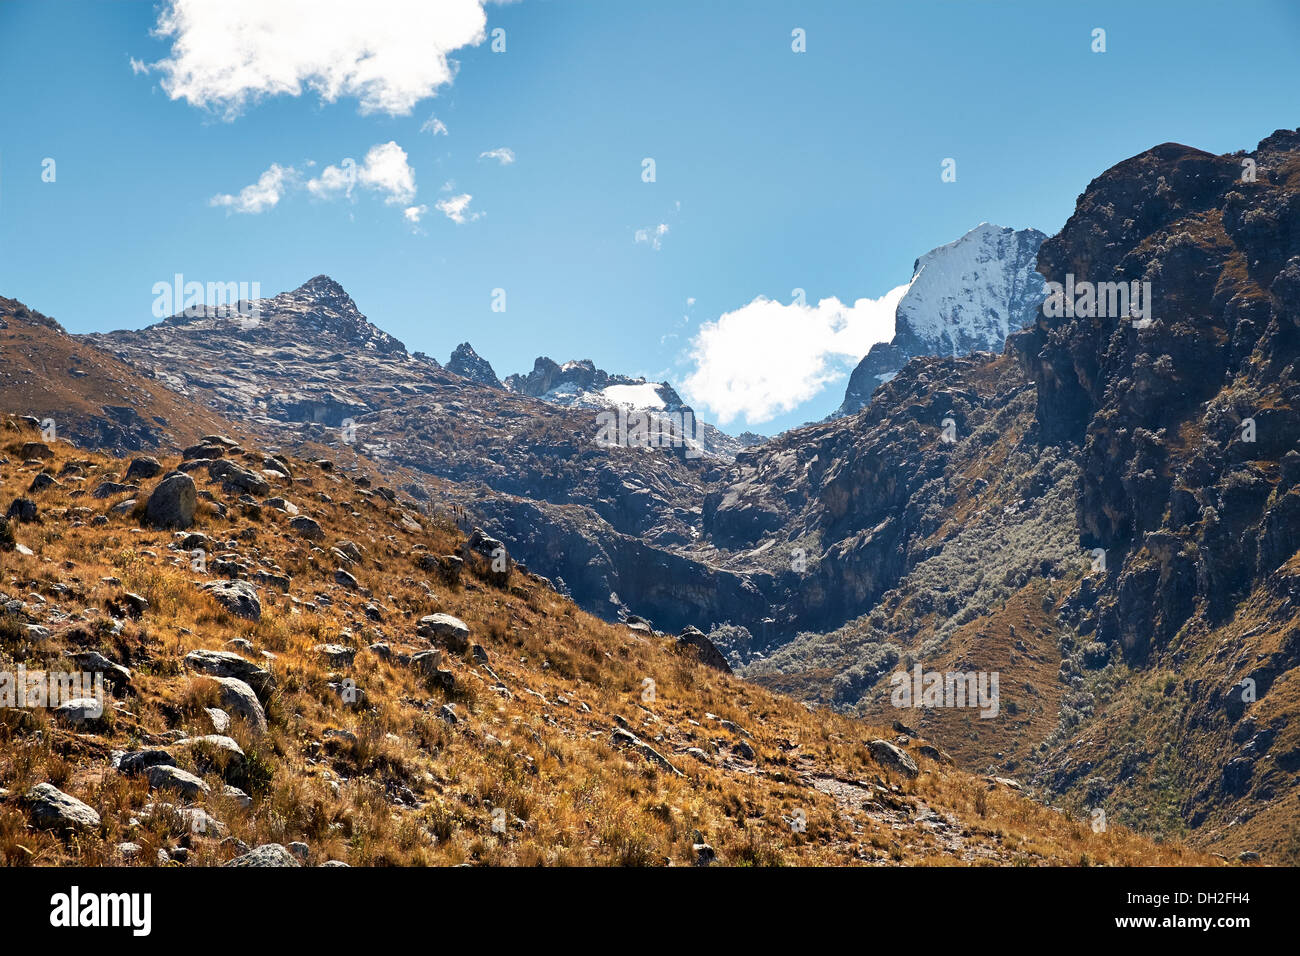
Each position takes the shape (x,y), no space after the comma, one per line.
(514,750)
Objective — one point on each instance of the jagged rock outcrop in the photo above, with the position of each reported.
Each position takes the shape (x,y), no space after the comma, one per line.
(467,363)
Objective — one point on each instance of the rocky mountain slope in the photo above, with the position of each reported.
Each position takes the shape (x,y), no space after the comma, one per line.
(1113,527)
(88,396)
(313,371)
(966,296)
(301,668)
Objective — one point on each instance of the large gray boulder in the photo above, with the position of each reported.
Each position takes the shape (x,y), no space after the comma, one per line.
(452,631)
(893,759)
(230,664)
(237,597)
(52,809)
(269,854)
(143,467)
(172,503)
(239,699)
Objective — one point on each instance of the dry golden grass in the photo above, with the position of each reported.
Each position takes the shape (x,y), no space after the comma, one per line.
(401,786)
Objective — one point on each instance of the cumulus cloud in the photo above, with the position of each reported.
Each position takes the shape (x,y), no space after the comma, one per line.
(434,125)
(261,195)
(388,54)
(414,214)
(503,154)
(767,358)
(456,208)
(385,171)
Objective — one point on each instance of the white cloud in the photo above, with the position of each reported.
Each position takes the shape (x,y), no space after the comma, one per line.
(413,214)
(434,125)
(384,170)
(261,195)
(389,54)
(504,155)
(138,66)
(387,171)
(652,235)
(766,358)
(456,209)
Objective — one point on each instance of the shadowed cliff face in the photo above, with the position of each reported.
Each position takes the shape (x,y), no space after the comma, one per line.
(1188,425)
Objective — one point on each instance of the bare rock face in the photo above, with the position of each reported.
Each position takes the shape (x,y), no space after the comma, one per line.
(1184,418)
(172,502)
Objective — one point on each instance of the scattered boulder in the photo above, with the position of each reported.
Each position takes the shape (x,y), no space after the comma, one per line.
(111,489)
(52,809)
(238,698)
(42,481)
(94,662)
(138,761)
(269,854)
(143,467)
(81,710)
(172,503)
(336,654)
(621,737)
(237,597)
(307,528)
(21,509)
(203,450)
(452,631)
(163,776)
(710,656)
(236,480)
(892,758)
(230,664)
(35,449)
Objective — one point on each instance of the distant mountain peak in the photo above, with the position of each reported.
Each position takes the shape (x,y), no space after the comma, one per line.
(467,363)
(965,296)
(326,291)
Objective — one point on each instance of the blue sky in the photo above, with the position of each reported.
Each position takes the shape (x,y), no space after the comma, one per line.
(775,170)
